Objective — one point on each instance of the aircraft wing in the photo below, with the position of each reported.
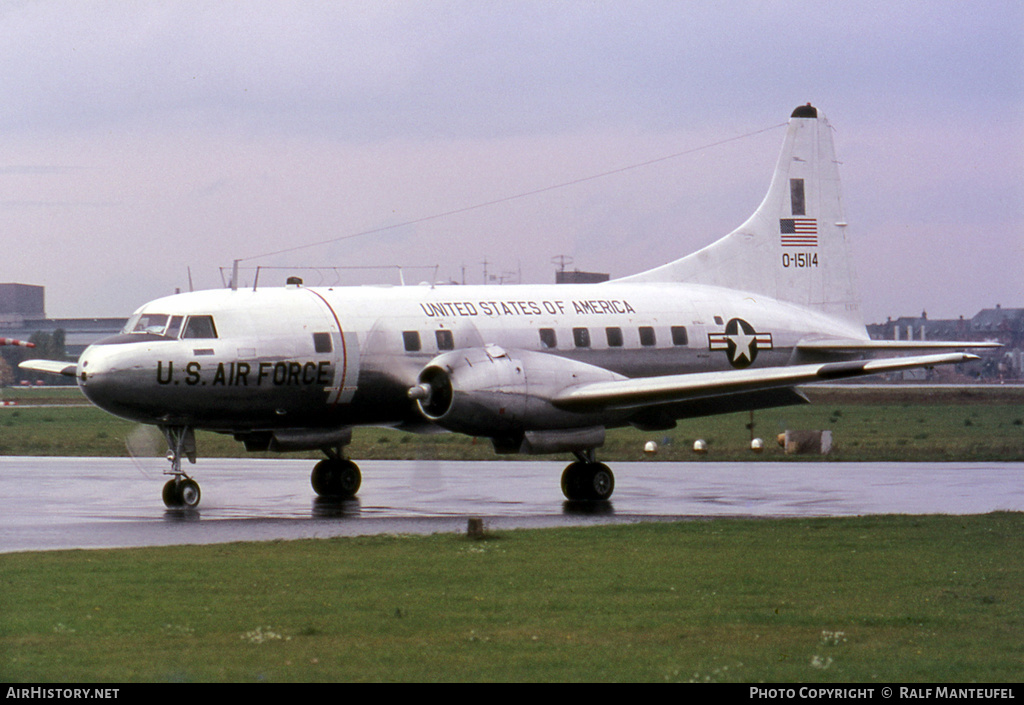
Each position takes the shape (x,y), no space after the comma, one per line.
(645,391)
(53,367)
(857,345)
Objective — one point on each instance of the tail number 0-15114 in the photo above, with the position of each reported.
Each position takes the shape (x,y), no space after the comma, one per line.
(800,259)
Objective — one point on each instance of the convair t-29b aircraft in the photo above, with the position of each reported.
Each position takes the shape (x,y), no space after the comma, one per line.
(535,369)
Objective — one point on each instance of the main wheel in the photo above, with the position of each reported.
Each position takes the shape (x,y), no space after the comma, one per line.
(602,482)
(587,482)
(337,478)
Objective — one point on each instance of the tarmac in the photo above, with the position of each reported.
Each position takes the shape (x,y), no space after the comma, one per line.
(84,503)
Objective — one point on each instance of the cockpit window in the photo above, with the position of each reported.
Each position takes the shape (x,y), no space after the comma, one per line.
(174,327)
(150,323)
(199,327)
(155,324)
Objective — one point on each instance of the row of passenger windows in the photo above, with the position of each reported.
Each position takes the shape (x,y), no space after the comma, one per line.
(613,336)
(444,338)
(549,338)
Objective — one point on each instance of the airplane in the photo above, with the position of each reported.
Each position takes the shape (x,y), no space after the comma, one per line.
(735,326)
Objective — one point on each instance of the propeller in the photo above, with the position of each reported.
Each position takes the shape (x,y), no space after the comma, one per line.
(145,443)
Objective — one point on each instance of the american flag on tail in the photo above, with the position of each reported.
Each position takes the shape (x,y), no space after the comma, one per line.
(799,232)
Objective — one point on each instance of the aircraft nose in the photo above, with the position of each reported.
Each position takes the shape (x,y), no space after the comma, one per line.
(112,379)
(95,376)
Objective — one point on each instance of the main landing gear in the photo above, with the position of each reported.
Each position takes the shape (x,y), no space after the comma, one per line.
(181,491)
(587,480)
(336,477)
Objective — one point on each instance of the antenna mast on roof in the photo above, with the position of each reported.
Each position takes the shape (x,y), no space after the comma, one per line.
(562,261)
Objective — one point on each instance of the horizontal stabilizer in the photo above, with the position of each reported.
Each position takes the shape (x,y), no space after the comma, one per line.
(53,367)
(639,392)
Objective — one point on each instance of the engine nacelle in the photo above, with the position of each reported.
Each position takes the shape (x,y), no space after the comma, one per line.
(501,393)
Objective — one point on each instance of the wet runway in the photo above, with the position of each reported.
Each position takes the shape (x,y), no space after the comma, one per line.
(55,503)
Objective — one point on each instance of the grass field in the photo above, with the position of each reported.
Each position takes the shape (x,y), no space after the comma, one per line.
(867,425)
(868,600)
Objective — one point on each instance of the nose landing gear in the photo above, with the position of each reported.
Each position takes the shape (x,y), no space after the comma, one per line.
(181,491)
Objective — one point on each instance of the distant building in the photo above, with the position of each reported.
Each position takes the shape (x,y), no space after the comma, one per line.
(921,328)
(1001,325)
(577,277)
(20,301)
(79,333)
(1005,325)
(23,313)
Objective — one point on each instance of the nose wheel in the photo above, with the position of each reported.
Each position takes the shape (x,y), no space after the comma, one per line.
(181,491)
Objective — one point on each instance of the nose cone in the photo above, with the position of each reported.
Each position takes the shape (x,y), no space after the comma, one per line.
(114,378)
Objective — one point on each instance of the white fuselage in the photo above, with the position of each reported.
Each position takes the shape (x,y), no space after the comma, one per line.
(329,357)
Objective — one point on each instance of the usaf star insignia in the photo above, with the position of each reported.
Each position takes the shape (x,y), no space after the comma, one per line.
(740,342)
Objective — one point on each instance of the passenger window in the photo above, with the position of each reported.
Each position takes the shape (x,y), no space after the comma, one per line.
(581,337)
(679,335)
(548,340)
(322,342)
(614,337)
(445,340)
(200,327)
(718,320)
(411,338)
(647,337)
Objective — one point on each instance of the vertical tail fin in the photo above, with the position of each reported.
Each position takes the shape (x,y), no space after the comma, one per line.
(794,246)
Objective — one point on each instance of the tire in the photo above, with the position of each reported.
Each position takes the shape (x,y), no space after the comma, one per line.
(170,495)
(189,494)
(338,479)
(601,482)
(587,482)
(183,494)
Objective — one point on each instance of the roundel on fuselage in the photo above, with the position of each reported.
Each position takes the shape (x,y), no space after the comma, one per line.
(740,342)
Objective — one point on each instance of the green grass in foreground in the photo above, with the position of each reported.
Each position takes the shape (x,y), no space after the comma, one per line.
(886,599)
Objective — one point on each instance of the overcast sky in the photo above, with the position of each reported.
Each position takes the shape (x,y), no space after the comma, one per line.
(142,141)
